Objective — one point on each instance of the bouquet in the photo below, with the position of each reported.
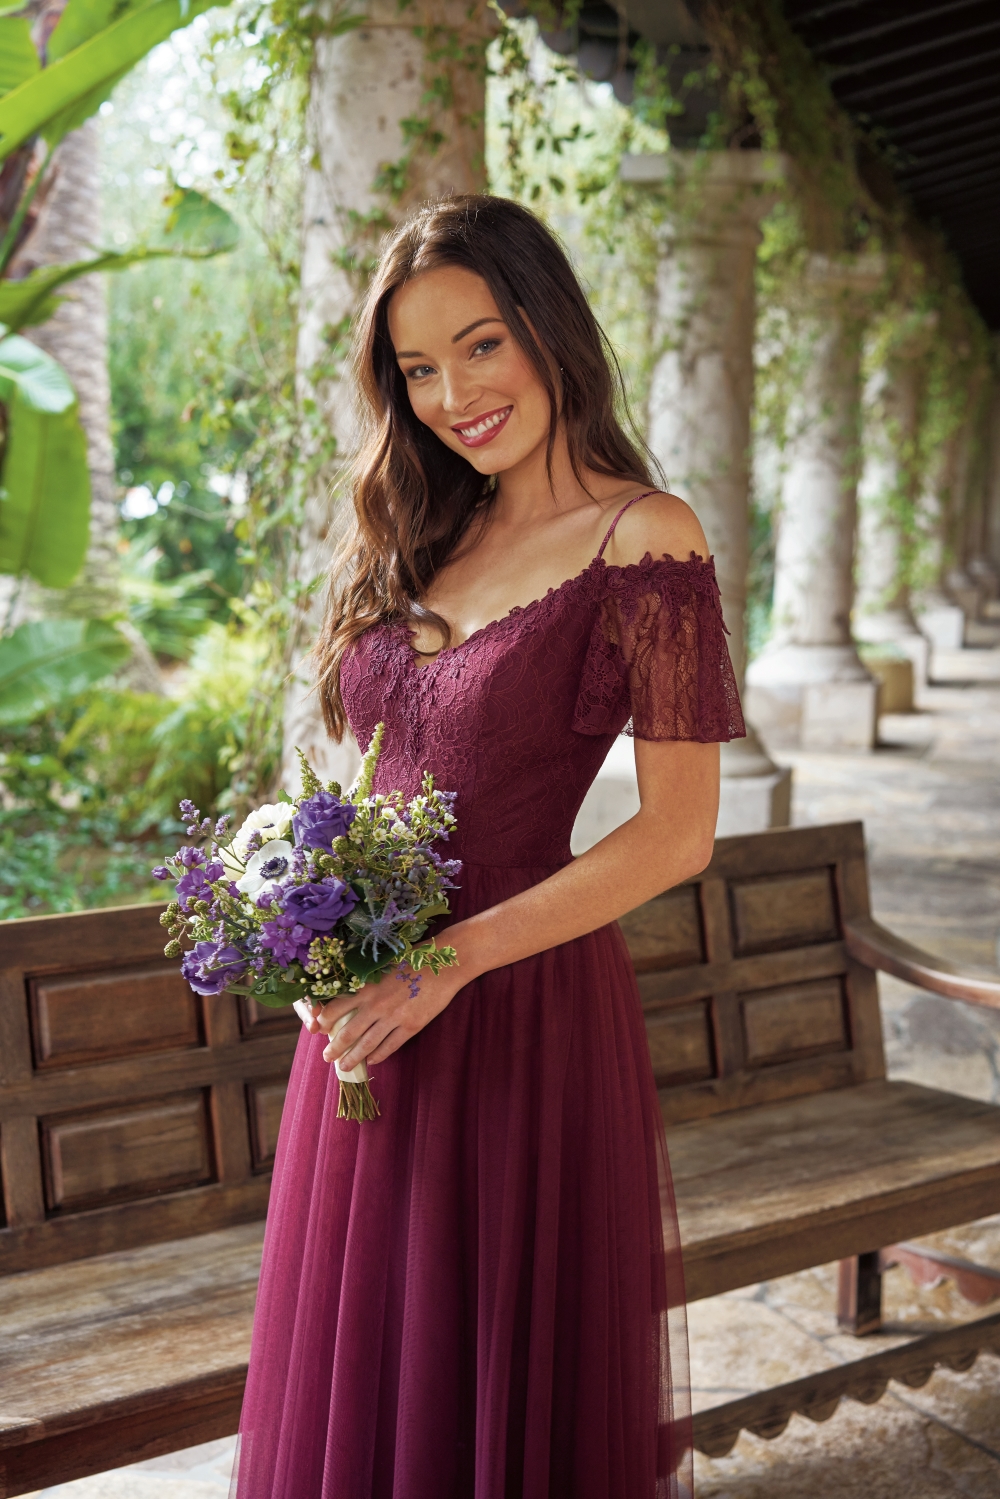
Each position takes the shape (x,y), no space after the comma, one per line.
(314,897)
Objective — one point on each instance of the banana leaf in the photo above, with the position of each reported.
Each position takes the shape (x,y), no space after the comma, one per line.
(196,229)
(45,661)
(44,481)
(61,96)
(18,58)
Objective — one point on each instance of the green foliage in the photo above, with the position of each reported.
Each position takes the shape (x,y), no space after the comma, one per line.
(91,786)
(58,98)
(170,613)
(196,229)
(44,661)
(44,483)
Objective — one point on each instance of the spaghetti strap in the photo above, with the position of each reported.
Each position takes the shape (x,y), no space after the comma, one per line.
(632,501)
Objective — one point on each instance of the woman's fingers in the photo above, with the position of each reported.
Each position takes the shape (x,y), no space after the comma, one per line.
(360,1048)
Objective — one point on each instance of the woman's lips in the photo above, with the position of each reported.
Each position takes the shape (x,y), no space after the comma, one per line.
(484,428)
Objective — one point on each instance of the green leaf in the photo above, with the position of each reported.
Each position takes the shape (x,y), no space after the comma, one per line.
(63,95)
(369,970)
(277,992)
(48,660)
(83,19)
(18,58)
(197,225)
(44,480)
(196,229)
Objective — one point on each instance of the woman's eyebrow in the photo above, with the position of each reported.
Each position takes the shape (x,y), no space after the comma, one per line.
(477,324)
(463,333)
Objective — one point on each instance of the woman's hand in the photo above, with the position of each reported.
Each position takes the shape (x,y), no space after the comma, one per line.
(387,1014)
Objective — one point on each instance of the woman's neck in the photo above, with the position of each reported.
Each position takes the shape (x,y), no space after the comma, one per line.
(530,491)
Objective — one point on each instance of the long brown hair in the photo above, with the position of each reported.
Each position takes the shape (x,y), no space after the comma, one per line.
(414,498)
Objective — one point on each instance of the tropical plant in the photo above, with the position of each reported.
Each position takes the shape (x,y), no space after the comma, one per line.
(44,486)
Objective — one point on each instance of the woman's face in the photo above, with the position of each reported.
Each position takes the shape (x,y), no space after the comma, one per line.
(467,378)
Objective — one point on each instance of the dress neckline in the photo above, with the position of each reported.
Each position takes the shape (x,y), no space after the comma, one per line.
(518,610)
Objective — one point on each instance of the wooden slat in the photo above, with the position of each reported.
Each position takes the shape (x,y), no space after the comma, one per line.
(764,971)
(776,1189)
(83,939)
(784,849)
(172,1419)
(15,1032)
(128,1225)
(48,1093)
(136,1150)
(21,1171)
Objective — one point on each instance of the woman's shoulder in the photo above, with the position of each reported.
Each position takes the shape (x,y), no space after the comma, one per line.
(658,525)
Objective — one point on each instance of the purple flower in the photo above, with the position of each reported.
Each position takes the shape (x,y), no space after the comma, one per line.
(320,906)
(321,819)
(161,872)
(215,871)
(287,939)
(193,886)
(211,967)
(189,811)
(190,857)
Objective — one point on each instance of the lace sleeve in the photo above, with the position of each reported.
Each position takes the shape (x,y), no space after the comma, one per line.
(658,650)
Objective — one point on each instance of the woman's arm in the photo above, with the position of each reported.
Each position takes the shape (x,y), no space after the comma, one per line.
(669,839)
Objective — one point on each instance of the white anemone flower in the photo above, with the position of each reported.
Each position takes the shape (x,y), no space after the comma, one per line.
(267,867)
(271,821)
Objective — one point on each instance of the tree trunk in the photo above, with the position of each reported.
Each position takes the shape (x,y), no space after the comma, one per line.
(69,228)
(368,90)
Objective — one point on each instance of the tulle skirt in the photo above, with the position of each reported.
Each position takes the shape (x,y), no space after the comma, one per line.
(479,1294)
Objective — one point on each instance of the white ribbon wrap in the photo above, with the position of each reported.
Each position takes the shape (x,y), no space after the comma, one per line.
(358,1074)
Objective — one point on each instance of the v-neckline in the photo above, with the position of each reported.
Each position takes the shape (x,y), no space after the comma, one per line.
(501,619)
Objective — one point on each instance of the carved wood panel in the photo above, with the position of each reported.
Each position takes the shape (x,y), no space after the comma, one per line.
(131,1110)
(748,990)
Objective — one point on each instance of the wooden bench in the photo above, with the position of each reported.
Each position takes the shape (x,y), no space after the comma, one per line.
(137,1127)
(789,1147)
(137,1130)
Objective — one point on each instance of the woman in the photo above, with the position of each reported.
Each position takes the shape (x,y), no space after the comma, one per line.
(476,1296)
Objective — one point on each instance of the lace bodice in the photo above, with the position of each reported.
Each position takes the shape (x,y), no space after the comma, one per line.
(519,718)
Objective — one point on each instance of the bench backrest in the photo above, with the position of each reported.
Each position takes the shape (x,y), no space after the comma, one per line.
(748,990)
(131,1110)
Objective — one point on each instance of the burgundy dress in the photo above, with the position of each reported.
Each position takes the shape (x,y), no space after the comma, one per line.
(479,1294)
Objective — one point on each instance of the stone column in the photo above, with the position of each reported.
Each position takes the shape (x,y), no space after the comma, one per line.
(888,492)
(700,400)
(991,519)
(810,681)
(403,66)
(943,605)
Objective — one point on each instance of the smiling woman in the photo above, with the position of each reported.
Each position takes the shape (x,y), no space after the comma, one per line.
(479,1294)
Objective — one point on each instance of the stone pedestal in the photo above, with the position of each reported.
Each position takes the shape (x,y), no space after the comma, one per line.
(701,393)
(811,647)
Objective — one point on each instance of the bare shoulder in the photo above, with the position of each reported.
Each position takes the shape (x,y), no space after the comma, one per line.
(658,524)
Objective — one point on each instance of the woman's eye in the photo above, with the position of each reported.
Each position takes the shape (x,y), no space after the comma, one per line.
(419,371)
(487,346)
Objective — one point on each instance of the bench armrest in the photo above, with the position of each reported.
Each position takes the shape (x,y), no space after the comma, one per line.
(877,947)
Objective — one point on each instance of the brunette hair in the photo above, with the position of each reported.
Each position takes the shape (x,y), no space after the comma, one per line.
(414,498)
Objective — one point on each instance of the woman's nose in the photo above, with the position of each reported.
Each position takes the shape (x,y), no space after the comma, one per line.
(459,394)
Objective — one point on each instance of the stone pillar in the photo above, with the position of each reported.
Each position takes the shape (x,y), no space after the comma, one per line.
(943,605)
(403,65)
(888,492)
(991,514)
(700,400)
(810,683)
